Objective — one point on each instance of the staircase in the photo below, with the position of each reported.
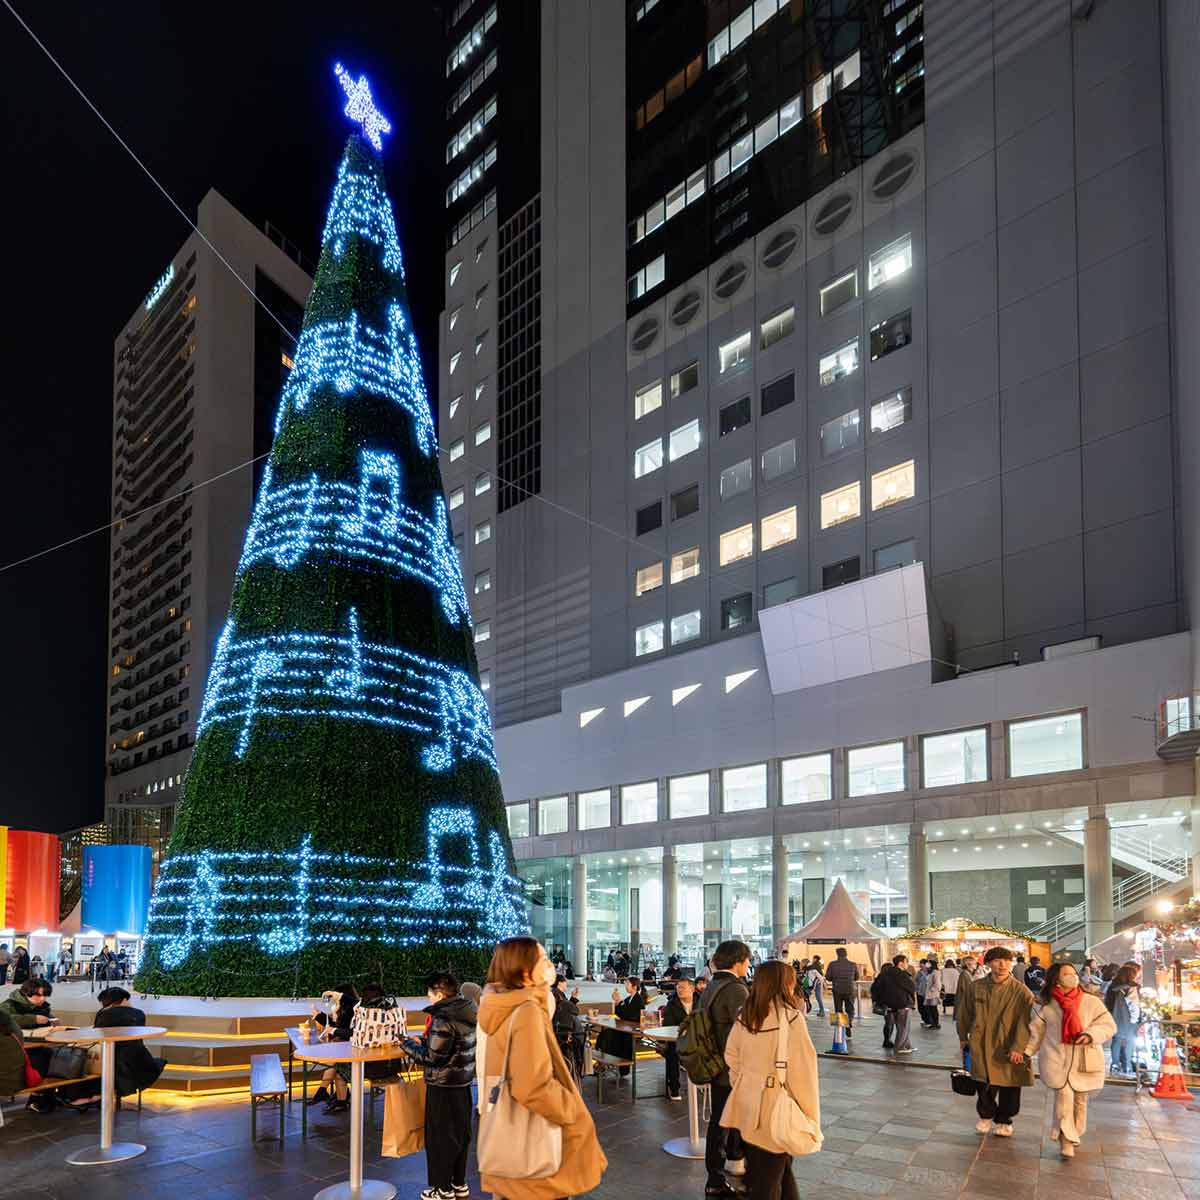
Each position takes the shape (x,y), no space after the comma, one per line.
(1139,852)
(1067,930)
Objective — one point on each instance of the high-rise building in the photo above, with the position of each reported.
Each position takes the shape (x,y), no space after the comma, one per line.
(813,453)
(196,376)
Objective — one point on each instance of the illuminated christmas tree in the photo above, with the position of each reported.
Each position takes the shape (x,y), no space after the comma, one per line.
(342,816)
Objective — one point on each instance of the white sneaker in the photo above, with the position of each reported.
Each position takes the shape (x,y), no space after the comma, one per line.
(735,1166)
(983,1126)
(1002,1130)
(905,1050)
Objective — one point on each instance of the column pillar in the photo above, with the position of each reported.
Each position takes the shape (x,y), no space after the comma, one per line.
(779,892)
(579,946)
(1195,842)
(918,877)
(670,901)
(1097,879)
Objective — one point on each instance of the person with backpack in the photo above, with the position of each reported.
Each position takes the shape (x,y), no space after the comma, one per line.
(772,1063)
(517,1044)
(702,1052)
(447,1052)
(895,992)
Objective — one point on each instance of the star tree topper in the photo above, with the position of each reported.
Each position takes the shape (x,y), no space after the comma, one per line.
(361,108)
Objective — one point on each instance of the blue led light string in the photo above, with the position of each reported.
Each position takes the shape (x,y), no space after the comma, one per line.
(374,528)
(360,206)
(360,107)
(341,677)
(213,898)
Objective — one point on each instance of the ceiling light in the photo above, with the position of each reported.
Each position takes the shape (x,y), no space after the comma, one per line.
(824,843)
(807,844)
(1049,843)
(1000,846)
(991,829)
(954,850)
(1018,826)
(964,832)
(978,849)
(1024,845)
(937,833)
(1141,816)
(1047,824)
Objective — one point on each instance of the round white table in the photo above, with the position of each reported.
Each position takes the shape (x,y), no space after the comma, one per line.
(108,1151)
(691,1146)
(330,1053)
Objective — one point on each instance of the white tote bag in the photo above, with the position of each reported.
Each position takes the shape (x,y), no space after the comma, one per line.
(789,1125)
(514,1142)
(382,1023)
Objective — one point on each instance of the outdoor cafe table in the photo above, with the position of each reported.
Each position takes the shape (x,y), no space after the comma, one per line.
(329,1054)
(658,1035)
(107,1151)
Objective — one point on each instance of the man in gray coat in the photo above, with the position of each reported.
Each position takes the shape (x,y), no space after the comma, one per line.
(843,977)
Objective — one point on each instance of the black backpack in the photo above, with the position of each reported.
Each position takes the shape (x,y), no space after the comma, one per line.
(700,1050)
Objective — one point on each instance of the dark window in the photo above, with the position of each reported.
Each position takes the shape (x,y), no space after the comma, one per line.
(840,434)
(685,502)
(685,379)
(778,394)
(649,518)
(734,415)
(834,575)
(891,334)
(898,554)
(737,610)
(780,592)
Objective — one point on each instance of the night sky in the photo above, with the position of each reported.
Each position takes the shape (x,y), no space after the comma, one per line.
(237,97)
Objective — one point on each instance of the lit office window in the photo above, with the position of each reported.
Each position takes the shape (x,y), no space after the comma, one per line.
(454,405)
(454,361)
(518,820)
(737,479)
(685,379)
(1045,744)
(778,528)
(842,504)
(455,313)
(483,433)
(687,796)
(648,278)
(892,411)
(483,632)
(685,439)
(483,582)
(647,458)
(639,803)
(838,292)
(648,639)
(950,758)
(456,498)
(890,262)
(595,809)
(647,399)
(648,579)
(454,270)
(776,328)
(483,532)
(457,449)
(552,815)
(893,485)
(685,628)
(839,363)
(872,770)
(483,483)
(485,680)
(893,334)
(807,780)
(685,565)
(734,352)
(744,788)
(737,544)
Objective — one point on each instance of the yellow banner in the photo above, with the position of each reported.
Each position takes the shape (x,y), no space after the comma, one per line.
(3,876)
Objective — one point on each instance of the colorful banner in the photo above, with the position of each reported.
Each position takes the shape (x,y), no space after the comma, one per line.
(3,876)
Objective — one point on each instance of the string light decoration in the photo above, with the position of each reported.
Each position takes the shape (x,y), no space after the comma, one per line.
(361,108)
(342,815)
(369,523)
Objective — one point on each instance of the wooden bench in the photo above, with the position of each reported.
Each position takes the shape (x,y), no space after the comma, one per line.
(603,1063)
(51,1085)
(267,1086)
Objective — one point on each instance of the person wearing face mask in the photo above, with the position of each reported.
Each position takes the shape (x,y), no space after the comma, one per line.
(514,1025)
(993,1027)
(1067,1033)
(447,1052)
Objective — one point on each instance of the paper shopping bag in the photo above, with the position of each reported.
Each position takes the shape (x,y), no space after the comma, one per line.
(404,1118)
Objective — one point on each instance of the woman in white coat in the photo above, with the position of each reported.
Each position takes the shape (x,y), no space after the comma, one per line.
(1068,1032)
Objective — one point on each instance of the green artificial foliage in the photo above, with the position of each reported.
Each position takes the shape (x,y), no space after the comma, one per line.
(262,785)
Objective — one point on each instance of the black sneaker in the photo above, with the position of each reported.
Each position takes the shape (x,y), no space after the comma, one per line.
(889,1045)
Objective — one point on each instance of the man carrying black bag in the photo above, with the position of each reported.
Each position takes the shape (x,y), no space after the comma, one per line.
(896,994)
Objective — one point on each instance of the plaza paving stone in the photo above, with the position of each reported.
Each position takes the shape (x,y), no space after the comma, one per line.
(892,1130)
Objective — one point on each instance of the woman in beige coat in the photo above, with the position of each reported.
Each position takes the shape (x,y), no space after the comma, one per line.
(752,1052)
(516,1005)
(1068,1033)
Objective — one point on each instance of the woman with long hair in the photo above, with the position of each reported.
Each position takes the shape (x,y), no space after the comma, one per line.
(335,1082)
(762,1079)
(1068,1033)
(515,1026)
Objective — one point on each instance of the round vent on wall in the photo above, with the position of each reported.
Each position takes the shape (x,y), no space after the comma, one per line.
(686,307)
(833,214)
(730,280)
(645,335)
(893,175)
(780,248)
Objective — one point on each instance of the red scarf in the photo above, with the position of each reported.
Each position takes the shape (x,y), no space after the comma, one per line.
(1069,1002)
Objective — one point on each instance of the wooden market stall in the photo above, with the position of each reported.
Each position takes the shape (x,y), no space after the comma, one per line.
(839,923)
(960,935)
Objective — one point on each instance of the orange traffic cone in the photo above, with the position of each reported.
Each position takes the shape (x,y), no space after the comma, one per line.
(1170,1085)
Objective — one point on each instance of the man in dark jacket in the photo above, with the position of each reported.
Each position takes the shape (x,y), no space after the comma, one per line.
(723,1000)
(447,1052)
(136,1067)
(896,993)
(676,1010)
(843,975)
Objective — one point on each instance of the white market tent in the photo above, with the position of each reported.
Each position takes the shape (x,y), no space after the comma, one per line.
(839,923)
